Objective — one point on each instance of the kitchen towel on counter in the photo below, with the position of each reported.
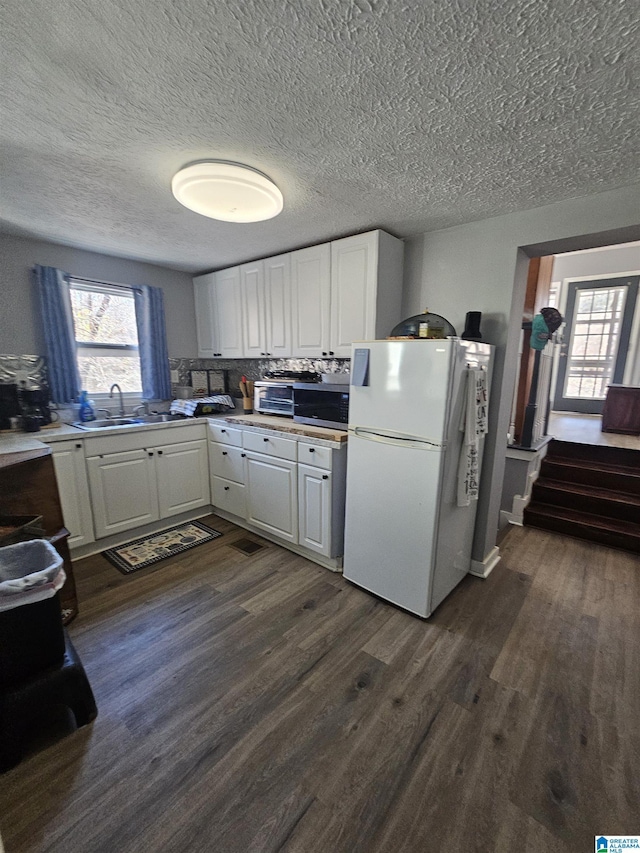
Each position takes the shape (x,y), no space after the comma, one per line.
(203,405)
(473,424)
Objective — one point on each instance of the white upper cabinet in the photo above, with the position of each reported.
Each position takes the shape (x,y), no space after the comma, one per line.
(277,292)
(310,300)
(311,303)
(253,309)
(266,307)
(228,311)
(219,314)
(366,289)
(206,321)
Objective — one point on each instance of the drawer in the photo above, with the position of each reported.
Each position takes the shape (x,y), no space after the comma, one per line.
(229,496)
(272,445)
(314,454)
(225,434)
(226,461)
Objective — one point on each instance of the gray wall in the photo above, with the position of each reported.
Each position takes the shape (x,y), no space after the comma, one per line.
(481,267)
(623,259)
(20,326)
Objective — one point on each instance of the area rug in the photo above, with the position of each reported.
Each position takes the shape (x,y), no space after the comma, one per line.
(159,546)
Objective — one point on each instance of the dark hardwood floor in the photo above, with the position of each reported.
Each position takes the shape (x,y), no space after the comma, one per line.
(261,704)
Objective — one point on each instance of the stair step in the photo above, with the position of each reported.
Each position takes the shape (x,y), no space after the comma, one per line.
(592,454)
(606,531)
(586,498)
(585,472)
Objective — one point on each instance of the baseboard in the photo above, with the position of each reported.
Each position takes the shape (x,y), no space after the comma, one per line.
(333,564)
(483,568)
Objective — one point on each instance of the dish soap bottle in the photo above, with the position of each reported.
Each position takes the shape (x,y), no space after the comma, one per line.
(86,408)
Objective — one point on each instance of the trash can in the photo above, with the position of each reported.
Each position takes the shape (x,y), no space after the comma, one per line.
(31,632)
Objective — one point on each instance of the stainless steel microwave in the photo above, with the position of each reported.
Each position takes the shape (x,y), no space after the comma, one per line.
(323,404)
(273,398)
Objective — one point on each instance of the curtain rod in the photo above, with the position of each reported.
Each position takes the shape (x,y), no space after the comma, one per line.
(101,281)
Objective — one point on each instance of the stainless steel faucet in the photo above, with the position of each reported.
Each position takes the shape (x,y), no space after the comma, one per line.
(115,385)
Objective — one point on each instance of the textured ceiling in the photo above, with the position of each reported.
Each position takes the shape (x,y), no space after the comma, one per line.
(367,113)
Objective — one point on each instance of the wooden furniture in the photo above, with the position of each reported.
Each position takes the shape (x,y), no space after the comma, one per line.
(28,486)
(621,412)
(20,705)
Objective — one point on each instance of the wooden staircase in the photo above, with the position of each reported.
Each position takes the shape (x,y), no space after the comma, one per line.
(588,491)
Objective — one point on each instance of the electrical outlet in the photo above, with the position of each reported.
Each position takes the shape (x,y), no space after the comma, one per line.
(22,376)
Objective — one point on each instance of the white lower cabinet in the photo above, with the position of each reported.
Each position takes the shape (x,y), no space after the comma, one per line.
(290,488)
(124,492)
(314,509)
(272,495)
(140,485)
(73,487)
(183,477)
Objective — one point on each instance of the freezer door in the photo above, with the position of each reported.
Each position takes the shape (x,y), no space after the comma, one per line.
(408,388)
(391,519)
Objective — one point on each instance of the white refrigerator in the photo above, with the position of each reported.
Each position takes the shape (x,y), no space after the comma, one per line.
(406,538)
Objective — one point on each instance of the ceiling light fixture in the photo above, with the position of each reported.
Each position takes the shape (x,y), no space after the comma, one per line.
(227,191)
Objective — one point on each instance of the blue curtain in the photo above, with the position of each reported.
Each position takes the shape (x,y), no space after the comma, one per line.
(59,334)
(152,343)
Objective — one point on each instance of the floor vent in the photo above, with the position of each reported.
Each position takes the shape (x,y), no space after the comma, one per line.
(247,546)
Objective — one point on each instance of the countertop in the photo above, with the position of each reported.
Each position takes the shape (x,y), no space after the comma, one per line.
(271,422)
(22,442)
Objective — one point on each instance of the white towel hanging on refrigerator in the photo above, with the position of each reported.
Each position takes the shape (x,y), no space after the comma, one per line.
(474,424)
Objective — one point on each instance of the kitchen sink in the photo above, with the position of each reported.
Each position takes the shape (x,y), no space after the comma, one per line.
(107,422)
(161,418)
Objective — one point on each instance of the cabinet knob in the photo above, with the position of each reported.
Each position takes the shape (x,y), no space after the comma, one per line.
(323,352)
(150,453)
(78,446)
(226,488)
(159,453)
(224,452)
(325,476)
(312,450)
(331,352)
(243,455)
(265,439)
(223,430)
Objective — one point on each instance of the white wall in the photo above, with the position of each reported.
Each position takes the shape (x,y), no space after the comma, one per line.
(481,267)
(609,261)
(20,325)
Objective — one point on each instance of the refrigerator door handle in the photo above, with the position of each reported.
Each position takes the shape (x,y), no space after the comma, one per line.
(397,438)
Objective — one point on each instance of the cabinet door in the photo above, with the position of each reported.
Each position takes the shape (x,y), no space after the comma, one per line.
(226,461)
(183,477)
(229,496)
(314,509)
(277,300)
(73,488)
(271,492)
(228,310)
(123,490)
(206,319)
(253,309)
(354,264)
(310,294)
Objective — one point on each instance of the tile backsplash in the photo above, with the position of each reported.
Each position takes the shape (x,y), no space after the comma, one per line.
(253,368)
(33,368)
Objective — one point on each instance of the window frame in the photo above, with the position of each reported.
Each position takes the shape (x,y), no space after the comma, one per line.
(87,348)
